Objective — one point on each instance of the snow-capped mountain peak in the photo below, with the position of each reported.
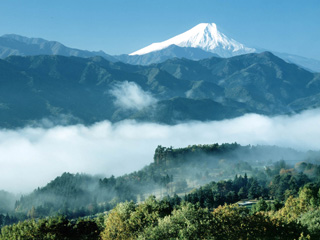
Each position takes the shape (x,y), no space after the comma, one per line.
(205,36)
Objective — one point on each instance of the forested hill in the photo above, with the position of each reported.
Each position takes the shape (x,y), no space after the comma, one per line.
(70,90)
(227,153)
(282,198)
(173,171)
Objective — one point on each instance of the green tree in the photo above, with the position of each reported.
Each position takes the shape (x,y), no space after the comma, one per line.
(188,222)
(117,222)
(261,205)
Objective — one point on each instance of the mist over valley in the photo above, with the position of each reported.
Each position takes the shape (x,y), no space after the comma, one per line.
(109,149)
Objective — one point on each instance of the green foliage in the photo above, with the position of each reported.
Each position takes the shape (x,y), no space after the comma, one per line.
(190,221)
(260,206)
(127,219)
(234,222)
(311,220)
(187,222)
(52,228)
(289,182)
(286,200)
(173,171)
(309,169)
(170,219)
(170,156)
(117,222)
(73,195)
(214,194)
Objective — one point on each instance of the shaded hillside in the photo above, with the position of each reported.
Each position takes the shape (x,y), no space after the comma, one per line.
(263,81)
(70,90)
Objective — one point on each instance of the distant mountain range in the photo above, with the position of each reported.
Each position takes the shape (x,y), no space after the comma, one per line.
(12,44)
(200,42)
(207,37)
(187,77)
(69,90)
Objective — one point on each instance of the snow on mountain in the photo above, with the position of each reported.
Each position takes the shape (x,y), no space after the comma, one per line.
(205,36)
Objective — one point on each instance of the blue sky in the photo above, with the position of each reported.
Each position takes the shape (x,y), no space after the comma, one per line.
(124,26)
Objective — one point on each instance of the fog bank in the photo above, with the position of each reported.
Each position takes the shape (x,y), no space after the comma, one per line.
(31,157)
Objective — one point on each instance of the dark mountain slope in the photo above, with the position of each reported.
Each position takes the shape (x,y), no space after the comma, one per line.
(264,81)
(186,109)
(79,90)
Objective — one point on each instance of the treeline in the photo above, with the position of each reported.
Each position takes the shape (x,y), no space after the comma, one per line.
(72,195)
(218,193)
(288,208)
(79,195)
(6,201)
(173,218)
(170,155)
(52,229)
(287,199)
(211,153)
(6,219)
(154,220)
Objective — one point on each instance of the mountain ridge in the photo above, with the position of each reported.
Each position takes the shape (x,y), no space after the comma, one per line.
(70,90)
(13,44)
(10,46)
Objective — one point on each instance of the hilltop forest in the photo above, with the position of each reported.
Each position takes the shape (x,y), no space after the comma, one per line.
(214,191)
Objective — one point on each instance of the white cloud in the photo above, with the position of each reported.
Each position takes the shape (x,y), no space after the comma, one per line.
(31,157)
(129,95)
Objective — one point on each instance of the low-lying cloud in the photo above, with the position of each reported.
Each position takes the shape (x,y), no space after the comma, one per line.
(129,95)
(31,157)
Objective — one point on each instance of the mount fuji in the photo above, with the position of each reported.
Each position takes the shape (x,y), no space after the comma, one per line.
(200,42)
(204,36)
(203,41)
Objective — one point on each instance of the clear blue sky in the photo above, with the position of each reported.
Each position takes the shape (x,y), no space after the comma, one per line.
(123,26)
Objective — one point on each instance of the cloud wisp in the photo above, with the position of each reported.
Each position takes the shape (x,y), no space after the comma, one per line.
(130,96)
(31,157)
